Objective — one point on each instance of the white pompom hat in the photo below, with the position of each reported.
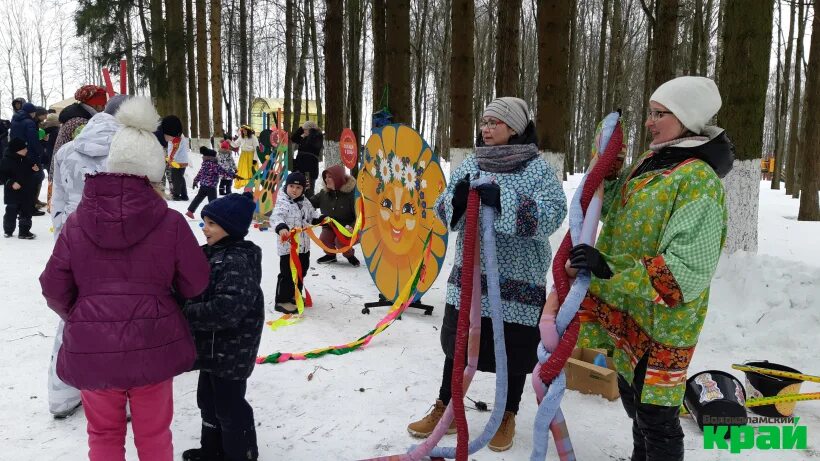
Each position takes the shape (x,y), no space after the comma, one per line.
(135,148)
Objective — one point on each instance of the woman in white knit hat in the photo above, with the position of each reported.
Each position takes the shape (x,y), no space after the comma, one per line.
(664,228)
(531,206)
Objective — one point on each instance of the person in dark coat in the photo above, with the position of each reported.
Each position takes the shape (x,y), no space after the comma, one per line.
(52,128)
(24,126)
(227,321)
(338,201)
(17,172)
(310,140)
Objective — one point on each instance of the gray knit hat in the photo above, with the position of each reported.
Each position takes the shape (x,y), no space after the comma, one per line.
(113,104)
(512,111)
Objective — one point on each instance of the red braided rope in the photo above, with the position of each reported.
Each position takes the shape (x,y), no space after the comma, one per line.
(462,332)
(595,177)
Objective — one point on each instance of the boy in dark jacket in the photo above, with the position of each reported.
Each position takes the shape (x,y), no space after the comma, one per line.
(207,179)
(338,201)
(17,172)
(226,321)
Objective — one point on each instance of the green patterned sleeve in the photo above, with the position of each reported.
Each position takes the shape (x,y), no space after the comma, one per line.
(688,255)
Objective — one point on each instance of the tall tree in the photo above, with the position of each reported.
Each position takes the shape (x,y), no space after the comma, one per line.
(697,36)
(301,76)
(243,60)
(191,61)
(354,82)
(334,86)
(216,65)
(810,180)
(554,17)
(177,75)
(462,75)
(317,75)
(249,98)
(794,124)
(506,44)
(160,89)
(602,47)
(783,109)
(615,70)
(379,52)
(290,64)
(202,70)
(744,75)
(398,59)
(663,41)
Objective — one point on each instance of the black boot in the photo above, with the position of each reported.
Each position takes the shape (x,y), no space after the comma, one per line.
(211,445)
(240,445)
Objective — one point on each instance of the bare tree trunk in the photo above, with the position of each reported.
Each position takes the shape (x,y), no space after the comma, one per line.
(176,60)
(41,51)
(663,42)
(159,76)
(783,101)
(192,82)
(379,53)
(553,79)
(462,75)
(355,13)
(615,71)
(317,74)
(719,52)
(290,62)
(249,98)
(228,91)
(602,47)
(506,45)
(647,71)
(333,65)
(744,80)
(299,83)
(129,55)
(202,70)
(398,59)
(419,64)
(243,60)
(705,39)
(442,137)
(810,180)
(216,65)
(697,34)
(792,187)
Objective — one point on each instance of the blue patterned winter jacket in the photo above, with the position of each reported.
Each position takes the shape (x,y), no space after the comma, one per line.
(533,205)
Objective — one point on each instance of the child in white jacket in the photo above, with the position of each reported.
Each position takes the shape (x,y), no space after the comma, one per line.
(292,211)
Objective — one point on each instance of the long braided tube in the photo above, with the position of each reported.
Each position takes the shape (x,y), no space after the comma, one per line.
(469,265)
(553,381)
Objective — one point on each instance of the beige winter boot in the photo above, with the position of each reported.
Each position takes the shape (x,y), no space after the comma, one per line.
(425,426)
(503,438)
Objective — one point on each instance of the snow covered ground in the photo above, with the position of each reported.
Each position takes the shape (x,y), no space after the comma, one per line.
(764,306)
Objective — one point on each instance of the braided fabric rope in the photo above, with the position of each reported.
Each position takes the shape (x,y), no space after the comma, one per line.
(550,389)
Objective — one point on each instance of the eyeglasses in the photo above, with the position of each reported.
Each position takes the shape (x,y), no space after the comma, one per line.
(655,115)
(491,124)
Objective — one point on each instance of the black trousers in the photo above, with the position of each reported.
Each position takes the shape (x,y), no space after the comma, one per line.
(204,191)
(178,188)
(285,290)
(20,211)
(656,430)
(225,186)
(515,387)
(227,418)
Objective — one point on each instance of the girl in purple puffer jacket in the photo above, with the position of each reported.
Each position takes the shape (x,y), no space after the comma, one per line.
(120,263)
(210,172)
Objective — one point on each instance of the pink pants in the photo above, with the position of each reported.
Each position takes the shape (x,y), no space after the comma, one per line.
(152,408)
(328,237)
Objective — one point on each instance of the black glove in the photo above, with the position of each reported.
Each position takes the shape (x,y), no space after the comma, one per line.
(490,195)
(319,220)
(460,194)
(587,257)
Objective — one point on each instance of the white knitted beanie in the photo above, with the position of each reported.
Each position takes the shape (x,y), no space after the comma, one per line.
(135,148)
(693,100)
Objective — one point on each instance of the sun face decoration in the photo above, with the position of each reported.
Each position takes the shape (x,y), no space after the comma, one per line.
(400,181)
